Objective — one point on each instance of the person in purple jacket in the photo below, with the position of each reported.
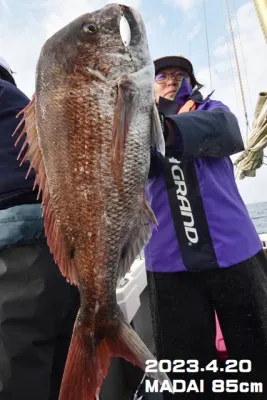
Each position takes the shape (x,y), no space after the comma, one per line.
(205,255)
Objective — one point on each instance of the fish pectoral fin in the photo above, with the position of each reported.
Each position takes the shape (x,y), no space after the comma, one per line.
(89,357)
(137,240)
(126,105)
(157,138)
(30,151)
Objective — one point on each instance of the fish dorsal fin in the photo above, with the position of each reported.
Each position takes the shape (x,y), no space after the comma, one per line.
(126,104)
(138,239)
(55,239)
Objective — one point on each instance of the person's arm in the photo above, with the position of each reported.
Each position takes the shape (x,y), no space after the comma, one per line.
(213,132)
(155,166)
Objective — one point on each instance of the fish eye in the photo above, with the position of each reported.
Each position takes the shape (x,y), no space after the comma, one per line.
(90,28)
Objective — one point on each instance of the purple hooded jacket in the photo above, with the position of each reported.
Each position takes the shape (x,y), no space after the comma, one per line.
(203,222)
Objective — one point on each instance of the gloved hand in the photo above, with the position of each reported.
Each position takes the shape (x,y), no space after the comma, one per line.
(166,107)
(164,126)
(170,131)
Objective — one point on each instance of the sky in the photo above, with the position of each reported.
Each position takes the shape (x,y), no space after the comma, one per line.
(174,27)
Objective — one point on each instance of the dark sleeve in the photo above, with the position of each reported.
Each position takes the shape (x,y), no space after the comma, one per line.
(14,188)
(12,100)
(155,164)
(213,132)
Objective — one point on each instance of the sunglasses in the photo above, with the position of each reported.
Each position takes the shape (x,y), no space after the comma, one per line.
(164,76)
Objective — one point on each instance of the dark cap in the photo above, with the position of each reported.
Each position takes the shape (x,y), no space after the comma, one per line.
(176,61)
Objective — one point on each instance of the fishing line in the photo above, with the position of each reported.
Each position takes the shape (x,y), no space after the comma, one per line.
(231,64)
(243,58)
(136,393)
(238,68)
(207,42)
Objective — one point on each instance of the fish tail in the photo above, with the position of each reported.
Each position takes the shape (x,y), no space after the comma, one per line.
(89,359)
(128,345)
(82,375)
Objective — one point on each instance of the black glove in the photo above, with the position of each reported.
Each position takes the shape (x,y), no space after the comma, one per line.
(166,107)
(164,125)
(174,144)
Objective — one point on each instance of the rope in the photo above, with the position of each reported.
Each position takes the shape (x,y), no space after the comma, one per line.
(238,69)
(207,42)
(261,8)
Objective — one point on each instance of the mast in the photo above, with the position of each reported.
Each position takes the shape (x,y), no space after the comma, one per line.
(261,8)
